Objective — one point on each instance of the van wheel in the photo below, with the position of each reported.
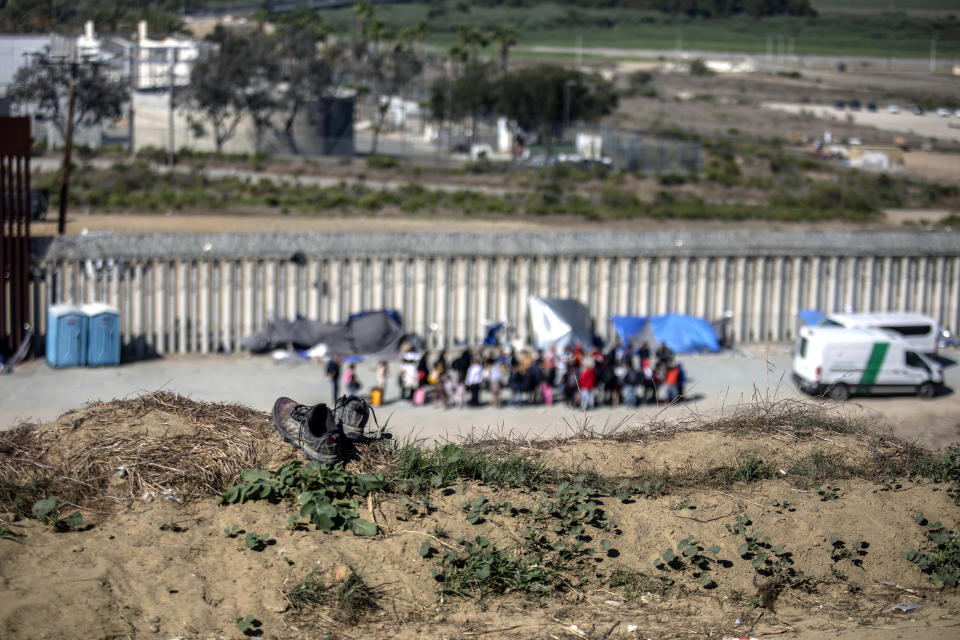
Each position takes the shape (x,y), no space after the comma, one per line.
(838,392)
(926,390)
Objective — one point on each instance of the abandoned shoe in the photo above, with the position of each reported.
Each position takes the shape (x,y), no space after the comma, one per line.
(351,414)
(312,430)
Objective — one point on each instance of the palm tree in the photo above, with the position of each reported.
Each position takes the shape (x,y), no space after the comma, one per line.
(506,36)
(472,38)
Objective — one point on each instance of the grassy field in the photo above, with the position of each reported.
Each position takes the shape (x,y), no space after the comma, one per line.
(907,6)
(829,34)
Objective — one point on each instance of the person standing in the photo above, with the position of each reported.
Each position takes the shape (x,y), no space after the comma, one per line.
(497,375)
(588,380)
(671,383)
(350,379)
(474,380)
(382,378)
(333,372)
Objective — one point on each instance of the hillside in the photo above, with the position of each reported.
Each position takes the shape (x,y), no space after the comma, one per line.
(782,519)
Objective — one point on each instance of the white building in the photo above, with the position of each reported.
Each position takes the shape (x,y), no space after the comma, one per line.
(155,59)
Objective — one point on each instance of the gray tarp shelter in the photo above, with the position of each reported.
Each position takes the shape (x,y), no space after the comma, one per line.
(375,334)
(558,322)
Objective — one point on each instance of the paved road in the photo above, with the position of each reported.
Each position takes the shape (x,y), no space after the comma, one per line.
(718,382)
(928,125)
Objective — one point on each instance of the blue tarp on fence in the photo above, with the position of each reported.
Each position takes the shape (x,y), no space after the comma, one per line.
(682,333)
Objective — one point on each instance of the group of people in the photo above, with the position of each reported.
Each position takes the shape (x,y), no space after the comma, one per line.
(574,376)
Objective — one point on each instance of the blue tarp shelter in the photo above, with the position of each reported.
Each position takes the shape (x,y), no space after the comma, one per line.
(811,317)
(682,333)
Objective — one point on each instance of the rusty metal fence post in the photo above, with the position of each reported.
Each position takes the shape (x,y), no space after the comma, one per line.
(15,321)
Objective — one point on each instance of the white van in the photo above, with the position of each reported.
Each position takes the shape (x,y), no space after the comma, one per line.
(837,362)
(921,332)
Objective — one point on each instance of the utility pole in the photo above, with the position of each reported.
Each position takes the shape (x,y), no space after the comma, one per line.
(134,81)
(67,150)
(172,58)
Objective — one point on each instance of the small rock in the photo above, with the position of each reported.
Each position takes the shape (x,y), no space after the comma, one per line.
(341,573)
(77,549)
(152,619)
(275,602)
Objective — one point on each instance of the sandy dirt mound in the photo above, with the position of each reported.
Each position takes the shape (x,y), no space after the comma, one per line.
(798,522)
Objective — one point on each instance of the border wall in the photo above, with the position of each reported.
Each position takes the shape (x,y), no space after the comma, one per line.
(202,293)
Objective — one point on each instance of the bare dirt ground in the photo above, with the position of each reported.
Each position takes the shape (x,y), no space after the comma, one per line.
(145,567)
(731,105)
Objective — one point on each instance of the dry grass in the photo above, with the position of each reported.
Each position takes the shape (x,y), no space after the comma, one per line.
(101,456)
(163,445)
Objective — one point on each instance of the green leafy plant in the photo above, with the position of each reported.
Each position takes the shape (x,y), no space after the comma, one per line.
(47,510)
(479,568)
(941,561)
(248,625)
(647,489)
(766,558)
(572,506)
(256,542)
(326,495)
(480,507)
(784,506)
(831,492)
(232,531)
(690,556)
(854,551)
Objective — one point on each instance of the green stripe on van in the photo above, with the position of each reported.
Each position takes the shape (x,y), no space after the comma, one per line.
(877,355)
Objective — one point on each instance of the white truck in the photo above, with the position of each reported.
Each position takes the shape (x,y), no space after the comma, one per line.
(837,362)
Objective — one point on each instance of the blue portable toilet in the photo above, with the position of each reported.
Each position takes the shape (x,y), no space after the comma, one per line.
(66,336)
(103,335)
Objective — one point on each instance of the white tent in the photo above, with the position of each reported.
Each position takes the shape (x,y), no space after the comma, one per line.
(559,322)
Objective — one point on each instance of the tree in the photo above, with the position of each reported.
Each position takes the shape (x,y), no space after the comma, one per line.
(471,39)
(385,66)
(43,86)
(546,97)
(260,98)
(305,73)
(390,70)
(219,83)
(473,93)
(505,37)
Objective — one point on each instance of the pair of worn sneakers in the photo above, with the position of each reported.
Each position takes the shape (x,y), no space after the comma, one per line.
(319,432)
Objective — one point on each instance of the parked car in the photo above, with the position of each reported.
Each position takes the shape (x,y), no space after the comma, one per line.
(872,107)
(855,104)
(894,109)
(943,112)
(839,104)
(918,110)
